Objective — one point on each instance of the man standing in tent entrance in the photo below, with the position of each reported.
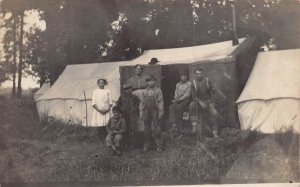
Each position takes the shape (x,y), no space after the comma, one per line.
(203,101)
(137,82)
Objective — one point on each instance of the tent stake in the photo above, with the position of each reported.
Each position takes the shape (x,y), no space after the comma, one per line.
(86,113)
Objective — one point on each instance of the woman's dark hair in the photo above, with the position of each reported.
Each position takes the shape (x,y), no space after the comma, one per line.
(104,80)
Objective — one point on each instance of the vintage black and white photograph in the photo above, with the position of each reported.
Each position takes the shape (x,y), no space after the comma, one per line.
(149,92)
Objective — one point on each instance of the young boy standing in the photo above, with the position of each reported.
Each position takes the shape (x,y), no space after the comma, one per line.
(129,105)
(116,127)
(151,111)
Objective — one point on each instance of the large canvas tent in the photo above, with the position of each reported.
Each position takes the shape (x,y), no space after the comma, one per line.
(270,101)
(69,98)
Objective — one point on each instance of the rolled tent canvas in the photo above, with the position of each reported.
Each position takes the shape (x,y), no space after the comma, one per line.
(270,101)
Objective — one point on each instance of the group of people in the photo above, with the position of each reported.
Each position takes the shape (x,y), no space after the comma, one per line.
(142,100)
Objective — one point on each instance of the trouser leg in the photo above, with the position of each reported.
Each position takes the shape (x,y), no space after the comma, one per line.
(147,130)
(213,117)
(194,109)
(132,126)
(157,130)
(117,140)
(109,140)
(172,114)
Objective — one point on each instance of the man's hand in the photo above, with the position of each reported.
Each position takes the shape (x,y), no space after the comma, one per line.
(202,104)
(175,101)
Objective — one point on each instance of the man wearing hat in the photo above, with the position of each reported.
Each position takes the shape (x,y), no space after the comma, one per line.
(116,128)
(151,111)
(129,105)
(153,61)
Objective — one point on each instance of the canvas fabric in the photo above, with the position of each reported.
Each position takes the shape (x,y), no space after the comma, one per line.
(69,98)
(271,98)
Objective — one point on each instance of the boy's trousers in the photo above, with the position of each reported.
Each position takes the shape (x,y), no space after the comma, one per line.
(151,117)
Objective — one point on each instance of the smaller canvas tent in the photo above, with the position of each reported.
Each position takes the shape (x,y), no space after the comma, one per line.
(270,100)
(69,98)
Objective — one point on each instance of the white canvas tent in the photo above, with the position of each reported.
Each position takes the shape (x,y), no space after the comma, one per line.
(45,86)
(69,98)
(270,100)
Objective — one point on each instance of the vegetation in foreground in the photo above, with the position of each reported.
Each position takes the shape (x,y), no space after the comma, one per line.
(33,151)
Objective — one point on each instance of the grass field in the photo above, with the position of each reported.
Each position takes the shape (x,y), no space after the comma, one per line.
(34,151)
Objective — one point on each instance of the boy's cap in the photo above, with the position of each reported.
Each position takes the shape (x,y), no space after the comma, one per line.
(150,78)
(116,109)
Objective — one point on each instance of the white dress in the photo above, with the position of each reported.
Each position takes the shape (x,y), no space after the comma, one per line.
(101,98)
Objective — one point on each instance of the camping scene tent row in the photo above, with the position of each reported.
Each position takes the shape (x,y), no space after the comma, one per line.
(69,98)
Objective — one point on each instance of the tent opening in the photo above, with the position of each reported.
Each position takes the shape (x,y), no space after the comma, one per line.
(169,79)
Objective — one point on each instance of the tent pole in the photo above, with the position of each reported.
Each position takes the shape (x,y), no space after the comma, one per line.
(86,113)
(235,40)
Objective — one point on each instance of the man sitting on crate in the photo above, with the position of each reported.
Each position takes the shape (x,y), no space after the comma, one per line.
(203,100)
(179,103)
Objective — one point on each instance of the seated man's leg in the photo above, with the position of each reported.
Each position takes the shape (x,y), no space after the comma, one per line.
(179,109)
(194,110)
(172,113)
(109,144)
(213,117)
(172,120)
(109,140)
(117,140)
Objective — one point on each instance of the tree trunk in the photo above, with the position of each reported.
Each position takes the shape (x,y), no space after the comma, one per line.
(51,46)
(21,55)
(14,56)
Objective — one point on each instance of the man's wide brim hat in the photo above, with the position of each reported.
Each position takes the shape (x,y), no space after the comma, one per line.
(153,61)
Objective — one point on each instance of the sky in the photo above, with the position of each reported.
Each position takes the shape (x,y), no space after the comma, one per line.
(31,20)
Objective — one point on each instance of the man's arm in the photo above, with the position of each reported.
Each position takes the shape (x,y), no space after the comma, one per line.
(142,105)
(212,90)
(175,94)
(160,103)
(123,127)
(108,127)
(187,92)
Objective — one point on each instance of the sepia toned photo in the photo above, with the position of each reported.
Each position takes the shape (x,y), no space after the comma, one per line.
(149,92)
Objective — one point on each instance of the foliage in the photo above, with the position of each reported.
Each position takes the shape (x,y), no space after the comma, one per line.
(94,31)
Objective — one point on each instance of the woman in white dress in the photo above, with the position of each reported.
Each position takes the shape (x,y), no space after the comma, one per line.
(101,102)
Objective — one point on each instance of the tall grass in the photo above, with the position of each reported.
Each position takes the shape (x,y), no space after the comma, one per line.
(33,150)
